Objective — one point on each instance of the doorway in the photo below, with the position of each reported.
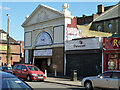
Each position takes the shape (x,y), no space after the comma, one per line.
(41,63)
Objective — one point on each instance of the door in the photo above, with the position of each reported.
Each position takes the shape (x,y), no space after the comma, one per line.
(18,73)
(83,63)
(102,81)
(24,73)
(41,63)
(114,82)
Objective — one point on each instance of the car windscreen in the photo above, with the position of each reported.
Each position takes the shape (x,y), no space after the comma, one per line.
(13,84)
(33,68)
(1,67)
(7,68)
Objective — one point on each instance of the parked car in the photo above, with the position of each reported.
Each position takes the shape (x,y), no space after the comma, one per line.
(1,68)
(28,72)
(108,79)
(7,69)
(10,82)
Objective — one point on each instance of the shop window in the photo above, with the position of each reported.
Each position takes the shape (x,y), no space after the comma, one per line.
(112,61)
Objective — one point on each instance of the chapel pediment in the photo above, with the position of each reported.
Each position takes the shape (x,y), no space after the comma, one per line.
(41,14)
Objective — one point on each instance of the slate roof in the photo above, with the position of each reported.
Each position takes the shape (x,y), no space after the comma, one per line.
(111,13)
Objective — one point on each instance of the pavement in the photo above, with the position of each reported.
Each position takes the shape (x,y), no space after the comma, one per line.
(64,81)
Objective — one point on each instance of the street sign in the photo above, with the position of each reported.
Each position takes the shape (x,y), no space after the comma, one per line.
(54,66)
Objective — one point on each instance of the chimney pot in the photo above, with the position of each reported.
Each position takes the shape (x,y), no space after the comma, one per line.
(100,9)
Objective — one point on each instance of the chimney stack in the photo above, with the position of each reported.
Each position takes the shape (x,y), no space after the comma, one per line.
(100,9)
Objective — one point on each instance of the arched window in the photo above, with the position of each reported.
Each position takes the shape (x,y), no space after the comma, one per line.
(43,39)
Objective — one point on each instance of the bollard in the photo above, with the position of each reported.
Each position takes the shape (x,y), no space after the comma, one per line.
(55,73)
(74,75)
(46,73)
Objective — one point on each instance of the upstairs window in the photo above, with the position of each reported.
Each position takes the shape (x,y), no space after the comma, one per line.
(109,25)
(99,27)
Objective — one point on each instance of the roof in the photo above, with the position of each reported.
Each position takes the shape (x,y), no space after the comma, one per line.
(112,71)
(6,75)
(25,64)
(86,32)
(10,38)
(113,12)
(44,6)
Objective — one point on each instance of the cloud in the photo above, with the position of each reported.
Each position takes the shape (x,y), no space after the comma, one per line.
(5,8)
(0,7)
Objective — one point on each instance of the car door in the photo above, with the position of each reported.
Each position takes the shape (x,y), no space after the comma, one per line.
(102,81)
(24,73)
(15,70)
(114,81)
(19,71)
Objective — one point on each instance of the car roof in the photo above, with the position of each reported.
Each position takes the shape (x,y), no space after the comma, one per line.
(112,71)
(25,64)
(6,75)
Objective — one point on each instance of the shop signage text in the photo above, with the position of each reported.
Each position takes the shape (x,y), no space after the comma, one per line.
(111,43)
(116,42)
(47,52)
(83,44)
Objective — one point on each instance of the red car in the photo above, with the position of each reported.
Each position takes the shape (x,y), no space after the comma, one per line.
(28,72)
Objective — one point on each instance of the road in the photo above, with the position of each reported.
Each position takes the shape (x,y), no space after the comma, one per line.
(52,86)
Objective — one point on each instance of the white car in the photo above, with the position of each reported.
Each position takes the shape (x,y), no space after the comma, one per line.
(108,79)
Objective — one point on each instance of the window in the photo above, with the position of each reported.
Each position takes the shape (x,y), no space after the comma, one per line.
(99,28)
(109,25)
(106,75)
(116,75)
(33,68)
(112,61)
(19,67)
(13,84)
(15,67)
(24,67)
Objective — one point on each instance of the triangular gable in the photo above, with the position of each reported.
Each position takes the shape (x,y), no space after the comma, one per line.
(113,12)
(42,13)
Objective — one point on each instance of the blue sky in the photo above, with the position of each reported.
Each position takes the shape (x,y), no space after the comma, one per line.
(19,10)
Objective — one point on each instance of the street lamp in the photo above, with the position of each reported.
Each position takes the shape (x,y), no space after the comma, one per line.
(7,37)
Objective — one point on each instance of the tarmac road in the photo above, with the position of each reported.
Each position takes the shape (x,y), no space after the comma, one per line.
(52,86)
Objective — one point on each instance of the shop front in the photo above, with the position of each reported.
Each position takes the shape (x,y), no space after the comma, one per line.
(111,53)
(84,55)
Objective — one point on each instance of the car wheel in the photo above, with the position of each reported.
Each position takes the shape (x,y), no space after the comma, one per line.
(88,85)
(28,78)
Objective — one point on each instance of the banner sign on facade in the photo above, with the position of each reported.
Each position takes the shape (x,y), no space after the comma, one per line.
(82,44)
(3,47)
(47,52)
(26,56)
(111,43)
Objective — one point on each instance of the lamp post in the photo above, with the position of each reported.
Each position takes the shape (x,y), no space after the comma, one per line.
(7,37)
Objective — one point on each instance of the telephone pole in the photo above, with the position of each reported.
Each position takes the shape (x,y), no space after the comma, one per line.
(8,39)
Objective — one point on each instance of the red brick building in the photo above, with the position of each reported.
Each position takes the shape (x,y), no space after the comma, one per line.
(16,49)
